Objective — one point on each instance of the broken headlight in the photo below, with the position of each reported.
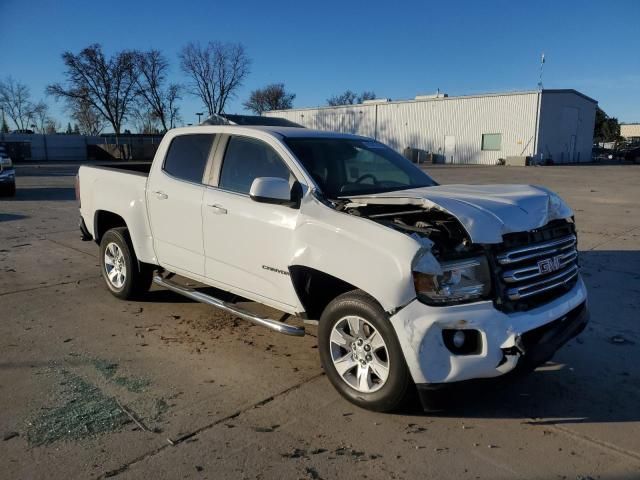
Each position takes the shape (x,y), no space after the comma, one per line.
(460,281)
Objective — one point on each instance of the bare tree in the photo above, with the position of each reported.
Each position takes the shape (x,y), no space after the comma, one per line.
(51,127)
(40,116)
(366,95)
(349,97)
(151,87)
(271,97)
(15,99)
(216,72)
(145,119)
(108,85)
(346,98)
(87,118)
(173,111)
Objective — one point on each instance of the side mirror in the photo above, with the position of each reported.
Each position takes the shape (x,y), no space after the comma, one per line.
(271,190)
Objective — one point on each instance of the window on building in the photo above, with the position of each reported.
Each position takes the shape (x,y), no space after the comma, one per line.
(247,159)
(187,157)
(491,141)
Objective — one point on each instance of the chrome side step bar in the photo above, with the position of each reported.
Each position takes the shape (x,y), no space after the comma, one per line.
(279,327)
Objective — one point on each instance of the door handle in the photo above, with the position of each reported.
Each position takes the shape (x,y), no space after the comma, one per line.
(161,195)
(220,210)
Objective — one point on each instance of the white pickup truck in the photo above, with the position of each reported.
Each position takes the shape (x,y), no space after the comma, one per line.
(410,282)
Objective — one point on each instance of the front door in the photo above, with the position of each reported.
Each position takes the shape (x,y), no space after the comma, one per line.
(174,202)
(248,244)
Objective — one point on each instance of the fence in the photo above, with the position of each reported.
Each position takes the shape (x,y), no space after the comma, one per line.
(79,148)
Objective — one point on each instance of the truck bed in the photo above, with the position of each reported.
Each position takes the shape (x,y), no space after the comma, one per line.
(131,167)
(119,189)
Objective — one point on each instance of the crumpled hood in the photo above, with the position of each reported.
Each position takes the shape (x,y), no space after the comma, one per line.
(485,211)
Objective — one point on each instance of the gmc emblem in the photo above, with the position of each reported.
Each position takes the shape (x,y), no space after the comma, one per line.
(549,265)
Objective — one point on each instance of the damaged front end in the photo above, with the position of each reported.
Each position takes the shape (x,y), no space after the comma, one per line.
(496,292)
(448,268)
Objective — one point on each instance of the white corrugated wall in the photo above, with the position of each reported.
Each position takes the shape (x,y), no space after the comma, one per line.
(356,119)
(425,124)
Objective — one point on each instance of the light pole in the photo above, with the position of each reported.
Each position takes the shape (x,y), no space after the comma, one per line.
(199,114)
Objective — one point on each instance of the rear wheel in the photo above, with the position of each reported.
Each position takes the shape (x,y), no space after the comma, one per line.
(125,277)
(361,354)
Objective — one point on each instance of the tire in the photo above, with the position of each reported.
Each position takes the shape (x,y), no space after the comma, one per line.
(336,341)
(8,190)
(131,279)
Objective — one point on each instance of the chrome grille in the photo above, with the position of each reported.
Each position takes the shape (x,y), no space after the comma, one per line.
(538,268)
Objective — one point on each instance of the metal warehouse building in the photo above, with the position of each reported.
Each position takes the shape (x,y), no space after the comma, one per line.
(630,131)
(474,129)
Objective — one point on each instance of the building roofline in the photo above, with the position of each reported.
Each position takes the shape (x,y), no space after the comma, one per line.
(570,90)
(441,99)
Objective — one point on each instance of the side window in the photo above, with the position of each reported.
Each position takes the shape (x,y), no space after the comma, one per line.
(187,156)
(247,159)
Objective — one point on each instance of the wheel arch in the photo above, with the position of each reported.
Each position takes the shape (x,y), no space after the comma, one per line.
(103,221)
(316,289)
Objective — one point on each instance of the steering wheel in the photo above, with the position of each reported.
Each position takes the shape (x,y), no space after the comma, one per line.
(365,176)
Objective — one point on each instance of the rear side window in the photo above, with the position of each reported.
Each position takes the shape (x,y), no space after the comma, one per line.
(187,156)
(247,159)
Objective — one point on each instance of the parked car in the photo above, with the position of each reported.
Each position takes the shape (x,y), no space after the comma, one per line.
(7,174)
(631,153)
(409,281)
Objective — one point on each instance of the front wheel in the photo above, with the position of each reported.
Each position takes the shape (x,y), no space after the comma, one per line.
(125,277)
(360,353)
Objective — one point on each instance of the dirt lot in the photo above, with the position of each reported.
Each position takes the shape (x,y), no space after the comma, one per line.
(91,386)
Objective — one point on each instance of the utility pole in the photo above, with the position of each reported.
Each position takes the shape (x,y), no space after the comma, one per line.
(199,114)
(541,70)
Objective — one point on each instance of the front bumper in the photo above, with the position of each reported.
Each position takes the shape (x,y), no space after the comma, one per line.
(8,175)
(525,338)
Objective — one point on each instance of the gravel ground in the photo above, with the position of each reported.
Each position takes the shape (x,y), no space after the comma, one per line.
(94,387)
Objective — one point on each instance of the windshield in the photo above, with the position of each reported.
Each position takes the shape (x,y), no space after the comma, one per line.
(343,167)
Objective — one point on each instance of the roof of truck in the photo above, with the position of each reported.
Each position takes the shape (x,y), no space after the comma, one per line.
(274,130)
(295,132)
(246,120)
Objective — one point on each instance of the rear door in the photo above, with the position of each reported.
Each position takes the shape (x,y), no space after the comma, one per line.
(174,202)
(248,244)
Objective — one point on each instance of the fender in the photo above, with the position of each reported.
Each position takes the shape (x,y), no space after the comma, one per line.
(372,257)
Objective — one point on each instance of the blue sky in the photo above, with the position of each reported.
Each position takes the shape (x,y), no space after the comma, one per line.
(397,49)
